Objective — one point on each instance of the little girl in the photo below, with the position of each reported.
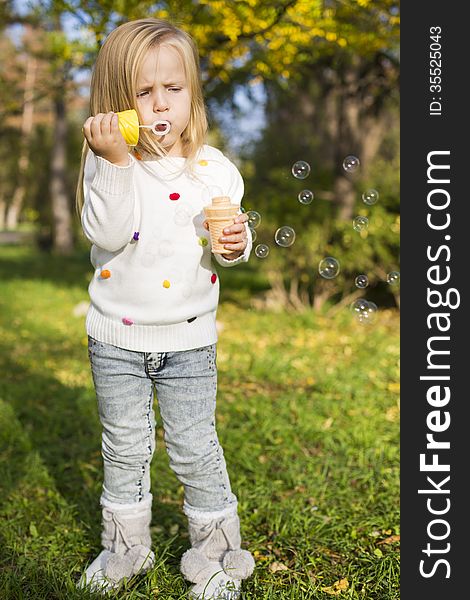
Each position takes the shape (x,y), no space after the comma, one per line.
(154,294)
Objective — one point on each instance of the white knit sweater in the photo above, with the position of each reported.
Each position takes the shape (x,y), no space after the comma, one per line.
(155,288)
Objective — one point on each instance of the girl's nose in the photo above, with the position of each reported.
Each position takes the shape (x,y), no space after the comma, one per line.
(160,104)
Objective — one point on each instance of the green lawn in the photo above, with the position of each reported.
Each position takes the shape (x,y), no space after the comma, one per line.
(308,417)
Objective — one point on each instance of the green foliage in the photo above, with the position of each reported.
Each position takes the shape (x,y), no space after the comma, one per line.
(256,39)
(307,415)
(272,191)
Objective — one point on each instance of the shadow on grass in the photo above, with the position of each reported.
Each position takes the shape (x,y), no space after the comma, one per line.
(55,428)
(53,421)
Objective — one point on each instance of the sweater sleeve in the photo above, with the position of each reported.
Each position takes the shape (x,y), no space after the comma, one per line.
(108,211)
(235,192)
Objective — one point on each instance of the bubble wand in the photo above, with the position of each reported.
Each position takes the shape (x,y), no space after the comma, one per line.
(128,122)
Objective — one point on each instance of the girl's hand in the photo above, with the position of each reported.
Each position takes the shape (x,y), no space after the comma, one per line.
(235,238)
(104,138)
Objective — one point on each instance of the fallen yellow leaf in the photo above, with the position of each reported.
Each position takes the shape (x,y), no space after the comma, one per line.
(390,540)
(337,587)
(278,566)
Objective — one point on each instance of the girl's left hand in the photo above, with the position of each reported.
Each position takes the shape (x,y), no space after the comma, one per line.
(235,238)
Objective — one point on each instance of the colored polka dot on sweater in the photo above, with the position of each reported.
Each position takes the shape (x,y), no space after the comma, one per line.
(166,283)
(213,278)
(203,163)
(203,241)
(127,321)
(174,196)
(105,274)
(135,237)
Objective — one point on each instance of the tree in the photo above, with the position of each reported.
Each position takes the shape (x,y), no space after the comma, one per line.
(349,48)
(13,208)
(342,99)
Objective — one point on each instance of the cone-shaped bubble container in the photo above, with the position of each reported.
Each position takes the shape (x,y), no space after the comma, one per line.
(220,214)
(128,122)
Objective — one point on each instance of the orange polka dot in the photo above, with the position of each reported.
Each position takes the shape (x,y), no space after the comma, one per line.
(105,274)
(137,155)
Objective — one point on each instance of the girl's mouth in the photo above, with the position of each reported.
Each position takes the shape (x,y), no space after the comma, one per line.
(158,127)
(161,127)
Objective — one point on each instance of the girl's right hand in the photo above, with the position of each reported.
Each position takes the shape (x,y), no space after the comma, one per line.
(104,138)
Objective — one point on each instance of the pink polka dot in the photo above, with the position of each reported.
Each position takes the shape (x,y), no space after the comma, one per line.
(213,278)
(174,196)
(127,321)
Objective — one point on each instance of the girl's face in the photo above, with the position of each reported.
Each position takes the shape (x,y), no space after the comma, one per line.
(163,94)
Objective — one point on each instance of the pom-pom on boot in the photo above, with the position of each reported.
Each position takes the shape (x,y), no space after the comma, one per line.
(126,541)
(215,563)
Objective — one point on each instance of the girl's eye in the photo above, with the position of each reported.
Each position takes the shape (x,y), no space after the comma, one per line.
(142,94)
(174,89)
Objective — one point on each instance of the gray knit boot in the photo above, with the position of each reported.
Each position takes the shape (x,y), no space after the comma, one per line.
(215,563)
(126,542)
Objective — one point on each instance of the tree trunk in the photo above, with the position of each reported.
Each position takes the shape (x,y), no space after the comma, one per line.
(61,211)
(345,197)
(16,204)
(354,127)
(3,208)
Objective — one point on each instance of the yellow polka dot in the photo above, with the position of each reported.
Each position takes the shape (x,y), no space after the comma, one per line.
(166,283)
(203,163)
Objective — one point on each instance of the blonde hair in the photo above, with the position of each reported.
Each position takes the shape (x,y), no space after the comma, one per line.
(114,83)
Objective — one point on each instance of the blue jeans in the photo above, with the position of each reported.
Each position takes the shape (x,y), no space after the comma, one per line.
(185,384)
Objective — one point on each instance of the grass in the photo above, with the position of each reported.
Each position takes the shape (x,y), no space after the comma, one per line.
(307,415)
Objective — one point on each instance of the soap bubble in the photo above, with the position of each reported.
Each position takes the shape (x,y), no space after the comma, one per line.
(361,281)
(364,311)
(284,236)
(329,267)
(358,306)
(262,250)
(253,234)
(370,197)
(182,216)
(393,277)
(254,218)
(147,259)
(370,314)
(301,169)
(166,248)
(351,163)
(360,223)
(305,197)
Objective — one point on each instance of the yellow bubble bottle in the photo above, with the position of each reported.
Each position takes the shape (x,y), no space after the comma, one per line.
(128,122)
